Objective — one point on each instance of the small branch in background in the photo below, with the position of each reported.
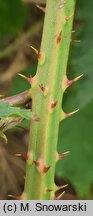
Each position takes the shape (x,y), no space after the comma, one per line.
(18,64)
(19,41)
(19,99)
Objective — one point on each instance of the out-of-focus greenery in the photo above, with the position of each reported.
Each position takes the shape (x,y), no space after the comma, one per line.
(12,17)
(76,132)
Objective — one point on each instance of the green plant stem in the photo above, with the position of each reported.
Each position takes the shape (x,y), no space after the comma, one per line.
(44,134)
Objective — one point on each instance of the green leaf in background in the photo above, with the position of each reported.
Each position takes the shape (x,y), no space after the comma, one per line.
(76,136)
(12,17)
(7,111)
(76,132)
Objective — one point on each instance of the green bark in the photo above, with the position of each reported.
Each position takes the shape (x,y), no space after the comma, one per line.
(52,66)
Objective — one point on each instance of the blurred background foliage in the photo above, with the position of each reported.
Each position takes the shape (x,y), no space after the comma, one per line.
(12,18)
(21,25)
(77,131)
